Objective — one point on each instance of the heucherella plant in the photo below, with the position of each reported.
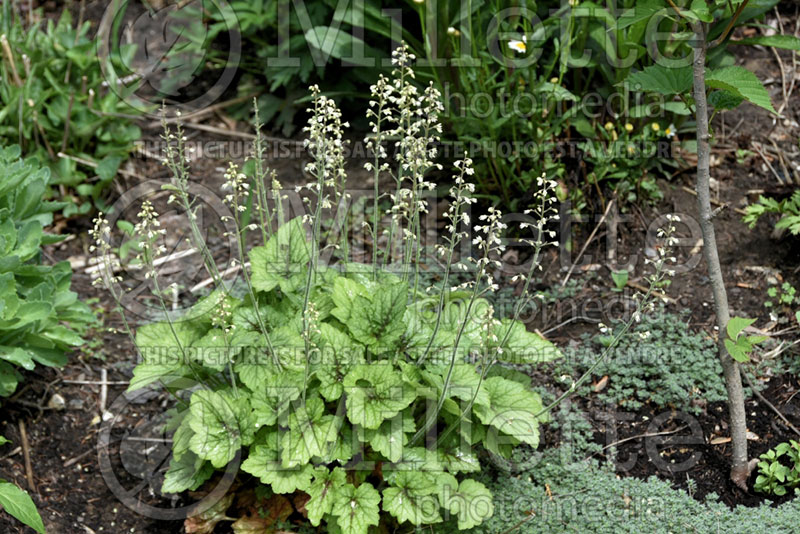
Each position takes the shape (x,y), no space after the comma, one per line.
(348,384)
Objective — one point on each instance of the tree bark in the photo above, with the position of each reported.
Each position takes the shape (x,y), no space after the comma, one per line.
(733,382)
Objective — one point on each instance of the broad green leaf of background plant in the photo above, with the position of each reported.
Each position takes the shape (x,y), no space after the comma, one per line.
(330,42)
(356,508)
(721,99)
(19,504)
(282,260)
(787,42)
(699,8)
(740,82)
(412,498)
(323,491)
(660,79)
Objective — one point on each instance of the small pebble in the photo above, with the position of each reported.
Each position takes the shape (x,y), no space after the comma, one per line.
(56,402)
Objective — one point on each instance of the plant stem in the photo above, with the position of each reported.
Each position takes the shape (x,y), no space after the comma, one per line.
(432,419)
(733,381)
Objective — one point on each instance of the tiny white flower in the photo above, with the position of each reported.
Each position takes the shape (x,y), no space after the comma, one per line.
(519,46)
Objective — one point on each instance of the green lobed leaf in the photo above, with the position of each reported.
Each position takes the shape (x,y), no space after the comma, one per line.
(263,461)
(356,508)
(221,423)
(324,491)
(390,437)
(412,498)
(186,473)
(471,503)
(282,261)
(522,346)
(512,410)
(310,433)
(375,392)
(377,322)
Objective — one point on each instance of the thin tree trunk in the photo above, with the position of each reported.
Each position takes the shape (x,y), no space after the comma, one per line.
(738,425)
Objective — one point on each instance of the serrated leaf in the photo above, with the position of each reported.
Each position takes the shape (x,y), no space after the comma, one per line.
(522,346)
(722,99)
(472,503)
(356,508)
(787,42)
(186,473)
(465,382)
(414,459)
(282,261)
(221,425)
(741,82)
(512,410)
(390,437)
(660,79)
(457,460)
(375,392)
(412,498)
(417,337)
(263,461)
(309,435)
(323,491)
(163,349)
(377,322)
(339,352)
(343,294)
